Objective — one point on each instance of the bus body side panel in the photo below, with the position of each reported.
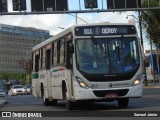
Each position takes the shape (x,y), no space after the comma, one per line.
(43,82)
(58,75)
(70,87)
(48,83)
(35,82)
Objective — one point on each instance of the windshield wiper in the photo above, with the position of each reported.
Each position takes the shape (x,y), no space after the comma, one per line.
(118,53)
(93,39)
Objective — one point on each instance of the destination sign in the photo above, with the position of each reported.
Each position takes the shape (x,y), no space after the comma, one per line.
(105,30)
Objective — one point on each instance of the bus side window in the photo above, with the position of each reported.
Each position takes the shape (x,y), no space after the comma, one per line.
(55,54)
(41,59)
(69,61)
(62,51)
(52,53)
(58,52)
(48,57)
(44,58)
(36,63)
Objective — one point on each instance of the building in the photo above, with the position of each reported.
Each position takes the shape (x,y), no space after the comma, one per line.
(16,44)
(132,21)
(152,64)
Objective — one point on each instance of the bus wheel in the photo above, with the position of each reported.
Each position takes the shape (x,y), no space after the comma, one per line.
(69,104)
(45,100)
(54,102)
(123,102)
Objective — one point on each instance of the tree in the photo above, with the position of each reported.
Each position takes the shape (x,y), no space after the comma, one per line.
(27,66)
(5,76)
(151,22)
(17,77)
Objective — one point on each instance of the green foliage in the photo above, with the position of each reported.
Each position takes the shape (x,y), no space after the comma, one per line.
(151,22)
(27,66)
(5,76)
(11,76)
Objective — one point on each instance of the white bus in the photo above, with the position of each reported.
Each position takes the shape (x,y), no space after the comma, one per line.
(96,62)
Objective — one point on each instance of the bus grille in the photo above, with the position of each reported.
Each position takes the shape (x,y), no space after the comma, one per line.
(102,93)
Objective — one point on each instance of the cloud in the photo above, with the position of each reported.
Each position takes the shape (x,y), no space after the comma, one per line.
(46,22)
(116,17)
(51,22)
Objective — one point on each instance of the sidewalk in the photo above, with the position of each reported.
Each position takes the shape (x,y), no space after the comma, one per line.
(2,102)
(152,86)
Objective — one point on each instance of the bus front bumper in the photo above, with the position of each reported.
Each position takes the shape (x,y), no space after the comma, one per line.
(96,94)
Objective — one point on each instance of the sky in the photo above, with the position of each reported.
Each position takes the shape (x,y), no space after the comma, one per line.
(52,22)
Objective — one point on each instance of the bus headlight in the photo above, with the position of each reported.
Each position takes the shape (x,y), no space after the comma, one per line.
(81,82)
(136,82)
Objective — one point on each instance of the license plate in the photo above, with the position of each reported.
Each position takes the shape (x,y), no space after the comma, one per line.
(111,96)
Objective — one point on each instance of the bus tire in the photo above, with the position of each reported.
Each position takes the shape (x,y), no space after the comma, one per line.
(45,100)
(54,102)
(69,104)
(123,102)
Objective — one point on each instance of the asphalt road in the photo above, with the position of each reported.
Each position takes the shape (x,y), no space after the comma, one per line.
(150,102)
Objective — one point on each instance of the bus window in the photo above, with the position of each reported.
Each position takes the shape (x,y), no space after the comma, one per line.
(48,53)
(41,60)
(52,53)
(58,52)
(36,63)
(69,61)
(62,51)
(44,58)
(55,54)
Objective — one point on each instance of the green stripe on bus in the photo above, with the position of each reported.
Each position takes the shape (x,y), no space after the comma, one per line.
(55,70)
(35,75)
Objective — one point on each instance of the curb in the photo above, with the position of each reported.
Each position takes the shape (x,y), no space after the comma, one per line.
(152,86)
(2,103)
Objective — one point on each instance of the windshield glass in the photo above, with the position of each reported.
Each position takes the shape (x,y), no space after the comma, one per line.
(107,56)
(18,86)
(28,86)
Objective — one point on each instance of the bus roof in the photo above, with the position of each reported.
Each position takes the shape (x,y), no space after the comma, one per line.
(52,39)
(70,29)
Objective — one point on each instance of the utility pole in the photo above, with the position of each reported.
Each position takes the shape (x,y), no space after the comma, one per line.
(141,35)
(76,19)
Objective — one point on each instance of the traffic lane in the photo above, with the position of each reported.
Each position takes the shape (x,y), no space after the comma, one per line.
(149,91)
(149,101)
(30,103)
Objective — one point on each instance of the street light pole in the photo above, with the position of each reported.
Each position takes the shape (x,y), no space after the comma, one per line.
(78,18)
(140,28)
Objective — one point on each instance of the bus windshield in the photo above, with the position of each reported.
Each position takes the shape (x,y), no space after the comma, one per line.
(107,55)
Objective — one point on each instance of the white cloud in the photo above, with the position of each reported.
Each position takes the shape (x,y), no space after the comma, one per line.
(53,21)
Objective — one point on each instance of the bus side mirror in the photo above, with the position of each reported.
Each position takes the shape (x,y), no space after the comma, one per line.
(71,48)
